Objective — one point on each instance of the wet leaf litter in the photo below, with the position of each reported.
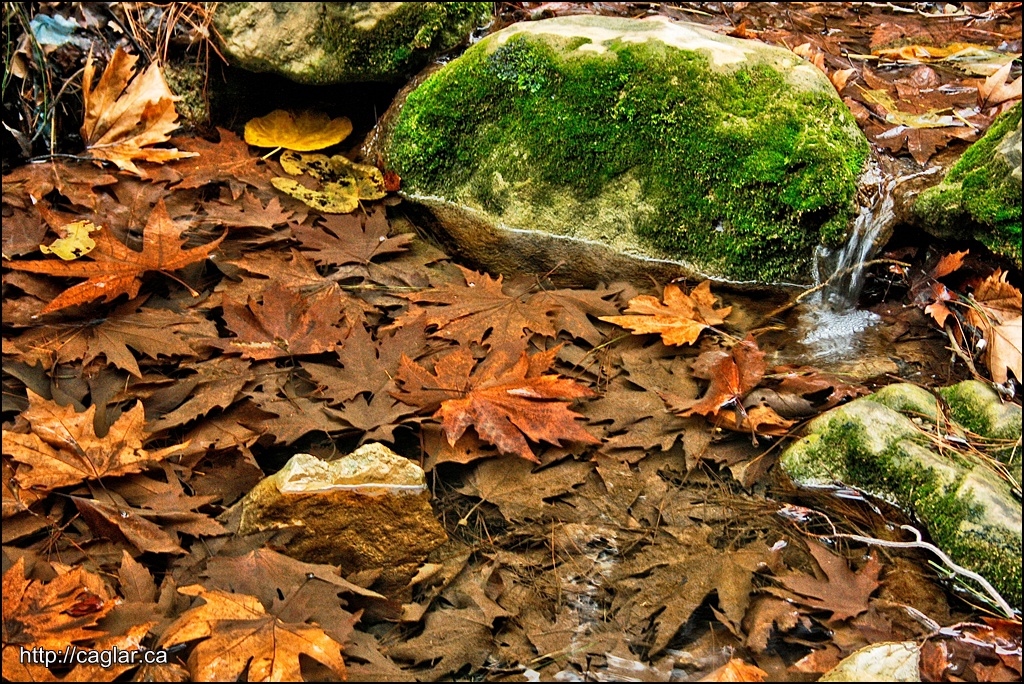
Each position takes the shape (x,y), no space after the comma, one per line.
(589,477)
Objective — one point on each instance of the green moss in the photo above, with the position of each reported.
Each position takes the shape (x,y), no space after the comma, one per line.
(742,181)
(953,520)
(979,197)
(400,44)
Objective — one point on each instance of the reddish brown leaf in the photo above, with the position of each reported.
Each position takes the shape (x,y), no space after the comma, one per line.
(284,324)
(843,592)
(732,374)
(502,402)
(228,161)
(116,269)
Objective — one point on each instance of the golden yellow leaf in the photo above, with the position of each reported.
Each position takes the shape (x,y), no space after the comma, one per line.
(127,112)
(74,243)
(679,320)
(304,132)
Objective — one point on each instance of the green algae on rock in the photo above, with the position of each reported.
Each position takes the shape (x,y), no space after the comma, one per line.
(981,195)
(657,139)
(885,445)
(322,43)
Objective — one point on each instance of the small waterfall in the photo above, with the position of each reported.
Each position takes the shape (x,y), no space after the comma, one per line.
(830,320)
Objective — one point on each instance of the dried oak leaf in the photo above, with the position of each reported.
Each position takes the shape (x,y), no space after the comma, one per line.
(126,113)
(679,320)
(54,614)
(284,324)
(732,374)
(842,591)
(502,402)
(115,269)
(303,132)
(62,449)
(239,637)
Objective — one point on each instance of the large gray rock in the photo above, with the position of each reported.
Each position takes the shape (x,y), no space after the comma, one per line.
(886,445)
(582,139)
(367,510)
(321,43)
(980,197)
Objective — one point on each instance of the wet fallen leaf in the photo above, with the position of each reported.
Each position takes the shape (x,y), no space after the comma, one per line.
(995,90)
(679,320)
(115,269)
(882,662)
(732,374)
(842,591)
(126,113)
(504,403)
(303,132)
(238,637)
(63,448)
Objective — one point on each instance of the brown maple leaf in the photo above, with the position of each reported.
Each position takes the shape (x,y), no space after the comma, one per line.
(153,332)
(63,448)
(479,310)
(842,591)
(284,324)
(502,402)
(116,269)
(51,615)
(226,161)
(239,637)
(732,374)
(679,320)
(354,244)
(127,112)
(931,295)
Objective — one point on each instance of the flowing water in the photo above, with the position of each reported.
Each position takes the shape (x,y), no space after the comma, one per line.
(834,329)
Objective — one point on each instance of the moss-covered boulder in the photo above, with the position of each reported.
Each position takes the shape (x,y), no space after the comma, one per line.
(656,139)
(980,197)
(322,43)
(900,444)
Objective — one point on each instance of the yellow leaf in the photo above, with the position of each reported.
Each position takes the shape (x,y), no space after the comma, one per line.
(343,183)
(74,243)
(127,112)
(304,132)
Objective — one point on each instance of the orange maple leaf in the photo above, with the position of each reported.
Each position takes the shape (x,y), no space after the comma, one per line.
(679,320)
(124,115)
(116,269)
(238,636)
(502,402)
(63,448)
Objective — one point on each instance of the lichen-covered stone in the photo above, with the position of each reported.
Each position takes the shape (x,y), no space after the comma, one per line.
(968,509)
(322,43)
(655,139)
(981,195)
(367,510)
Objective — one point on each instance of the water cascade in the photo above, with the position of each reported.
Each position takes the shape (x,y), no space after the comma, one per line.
(830,320)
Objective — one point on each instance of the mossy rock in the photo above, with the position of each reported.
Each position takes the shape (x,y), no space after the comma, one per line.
(660,140)
(980,197)
(885,445)
(322,43)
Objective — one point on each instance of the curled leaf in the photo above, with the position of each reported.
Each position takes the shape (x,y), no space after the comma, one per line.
(304,132)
